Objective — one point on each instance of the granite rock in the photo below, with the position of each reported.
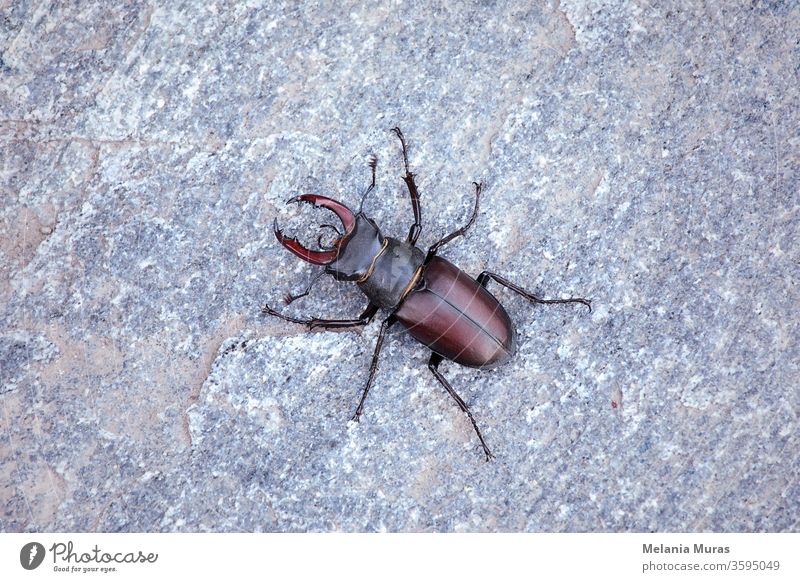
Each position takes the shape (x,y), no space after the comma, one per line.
(644,155)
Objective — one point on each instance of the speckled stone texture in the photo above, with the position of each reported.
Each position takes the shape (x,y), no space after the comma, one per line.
(643,154)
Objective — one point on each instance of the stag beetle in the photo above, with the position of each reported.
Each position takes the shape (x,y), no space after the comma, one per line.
(435,301)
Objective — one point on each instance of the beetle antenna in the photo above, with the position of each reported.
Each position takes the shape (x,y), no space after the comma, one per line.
(373,163)
(331,226)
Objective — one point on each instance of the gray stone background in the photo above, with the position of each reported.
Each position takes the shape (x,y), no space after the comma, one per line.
(643,154)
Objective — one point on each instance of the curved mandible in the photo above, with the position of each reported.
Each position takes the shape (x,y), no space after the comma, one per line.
(318,257)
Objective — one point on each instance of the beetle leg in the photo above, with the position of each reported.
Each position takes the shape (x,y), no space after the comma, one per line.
(433,366)
(484,277)
(289,297)
(387,323)
(363,319)
(416,228)
(432,251)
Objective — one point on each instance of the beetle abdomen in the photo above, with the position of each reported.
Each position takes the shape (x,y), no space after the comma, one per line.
(456,317)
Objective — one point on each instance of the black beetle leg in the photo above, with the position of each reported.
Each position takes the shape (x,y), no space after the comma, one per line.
(363,319)
(289,297)
(416,228)
(484,277)
(433,366)
(387,323)
(461,231)
(373,163)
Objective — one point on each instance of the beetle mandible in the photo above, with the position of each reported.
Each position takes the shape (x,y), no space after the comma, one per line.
(437,303)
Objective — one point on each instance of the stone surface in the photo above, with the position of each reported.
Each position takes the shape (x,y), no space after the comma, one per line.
(641,154)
